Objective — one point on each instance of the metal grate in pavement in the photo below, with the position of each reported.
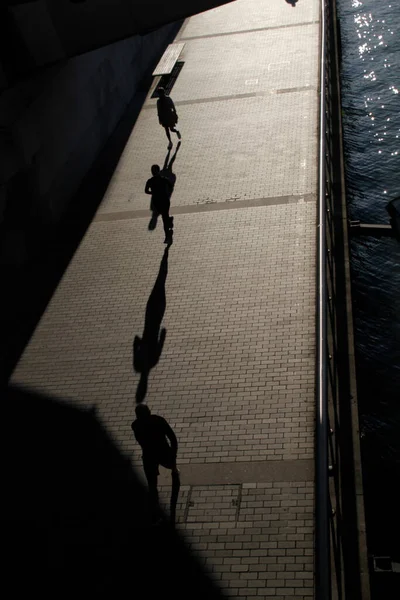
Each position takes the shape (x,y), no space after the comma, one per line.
(168,81)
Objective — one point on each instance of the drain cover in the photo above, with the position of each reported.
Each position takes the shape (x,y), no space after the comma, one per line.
(168,81)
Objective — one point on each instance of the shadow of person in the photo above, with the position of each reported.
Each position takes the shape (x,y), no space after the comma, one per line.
(147,349)
(292,2)
(167,168)
(168,173)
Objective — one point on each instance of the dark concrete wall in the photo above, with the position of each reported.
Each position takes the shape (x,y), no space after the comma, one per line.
(53,126)
(42,32)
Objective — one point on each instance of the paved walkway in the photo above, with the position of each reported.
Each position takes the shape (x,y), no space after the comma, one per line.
(236,374)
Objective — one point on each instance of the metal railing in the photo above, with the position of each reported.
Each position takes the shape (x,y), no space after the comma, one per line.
(334,567)
(322,549)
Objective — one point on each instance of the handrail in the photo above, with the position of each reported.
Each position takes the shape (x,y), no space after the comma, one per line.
(341,568)
(322,536)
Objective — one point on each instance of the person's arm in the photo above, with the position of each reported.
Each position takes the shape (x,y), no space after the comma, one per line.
(147,189)
(171,106)
(158,110)
(135,434)
(172,438)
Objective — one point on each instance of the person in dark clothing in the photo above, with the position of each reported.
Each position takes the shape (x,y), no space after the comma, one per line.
(160,189)
(168,173)
(160,447)
(167,116)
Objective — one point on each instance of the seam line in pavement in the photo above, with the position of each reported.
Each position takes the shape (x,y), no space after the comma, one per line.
(225,33)
(210,206)
(230,473)
(303,88)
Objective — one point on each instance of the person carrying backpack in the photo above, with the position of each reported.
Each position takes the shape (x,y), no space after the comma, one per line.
(167,116)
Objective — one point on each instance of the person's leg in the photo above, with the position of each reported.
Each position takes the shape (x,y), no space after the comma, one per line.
(177,132)
(165,219)
(168,136)
(176,484)
(151,472)
(167,222)
(168,461)
(153,220)
(154,215)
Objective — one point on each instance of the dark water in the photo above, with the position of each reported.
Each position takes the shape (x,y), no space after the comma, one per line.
(371,112)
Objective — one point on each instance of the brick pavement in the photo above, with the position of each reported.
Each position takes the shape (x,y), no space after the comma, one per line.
(254,539)
(236,375)
(233,149)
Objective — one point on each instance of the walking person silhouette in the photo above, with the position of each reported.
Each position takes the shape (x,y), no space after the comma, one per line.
(168,173)
(167,115)
(160,446)
(160,188)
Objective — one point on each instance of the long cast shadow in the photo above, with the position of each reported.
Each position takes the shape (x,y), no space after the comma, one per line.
(147,349)
(168,164)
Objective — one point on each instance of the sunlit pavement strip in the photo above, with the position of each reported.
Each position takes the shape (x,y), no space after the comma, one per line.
(236,376)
